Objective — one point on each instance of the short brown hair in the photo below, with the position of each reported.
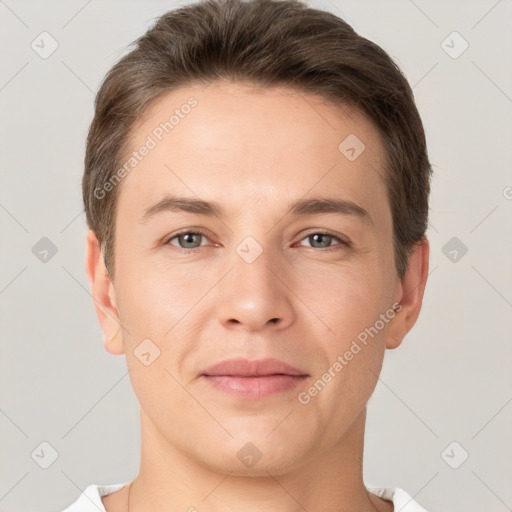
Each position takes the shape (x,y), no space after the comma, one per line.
(266,42)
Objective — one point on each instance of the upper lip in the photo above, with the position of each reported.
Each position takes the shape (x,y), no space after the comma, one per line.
(241,367)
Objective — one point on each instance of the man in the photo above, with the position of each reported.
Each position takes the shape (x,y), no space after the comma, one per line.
(256,187)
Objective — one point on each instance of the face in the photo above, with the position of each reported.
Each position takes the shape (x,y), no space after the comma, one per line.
(286,253)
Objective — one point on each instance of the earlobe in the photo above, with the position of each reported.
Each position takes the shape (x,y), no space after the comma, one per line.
(114,344)
(412,288)
(104,296)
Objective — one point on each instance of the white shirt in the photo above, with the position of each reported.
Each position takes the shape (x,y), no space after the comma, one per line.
(90,499)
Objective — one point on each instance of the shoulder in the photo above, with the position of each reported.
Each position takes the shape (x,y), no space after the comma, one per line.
(401,500)
(90,499)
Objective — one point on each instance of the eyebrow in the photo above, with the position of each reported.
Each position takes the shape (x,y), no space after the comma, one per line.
(310,206)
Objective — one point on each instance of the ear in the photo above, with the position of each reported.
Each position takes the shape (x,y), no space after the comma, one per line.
(104,296)
(412,287)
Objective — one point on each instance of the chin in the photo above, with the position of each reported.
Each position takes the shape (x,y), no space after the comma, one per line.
(256,455)
(263,468)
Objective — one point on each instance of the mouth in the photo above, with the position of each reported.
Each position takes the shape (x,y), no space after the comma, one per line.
(255,379)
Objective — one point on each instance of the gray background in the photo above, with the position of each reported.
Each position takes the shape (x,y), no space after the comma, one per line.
(450,379)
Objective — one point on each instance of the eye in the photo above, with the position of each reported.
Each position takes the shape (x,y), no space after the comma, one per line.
(192,240)
(322,240)
(187,239)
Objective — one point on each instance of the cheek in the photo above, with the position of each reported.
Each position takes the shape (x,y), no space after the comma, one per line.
(346,298)
(351,305)
(353,354)
(155,299)
(161,307)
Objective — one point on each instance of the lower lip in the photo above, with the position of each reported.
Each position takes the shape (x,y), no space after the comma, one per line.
(255,387)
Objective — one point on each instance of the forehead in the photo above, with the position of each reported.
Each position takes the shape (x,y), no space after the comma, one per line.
(238,143)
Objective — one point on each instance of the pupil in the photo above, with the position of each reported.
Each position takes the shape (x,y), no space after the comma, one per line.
(189,238)
(317,236)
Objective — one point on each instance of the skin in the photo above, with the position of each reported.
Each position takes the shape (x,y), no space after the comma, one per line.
(254,151)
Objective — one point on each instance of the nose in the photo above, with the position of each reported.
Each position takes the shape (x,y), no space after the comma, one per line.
(255,295)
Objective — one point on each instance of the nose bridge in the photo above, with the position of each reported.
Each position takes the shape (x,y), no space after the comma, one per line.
(255,250)
(255,262)
(253,293)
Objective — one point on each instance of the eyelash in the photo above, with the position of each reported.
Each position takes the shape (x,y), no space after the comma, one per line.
(343,243)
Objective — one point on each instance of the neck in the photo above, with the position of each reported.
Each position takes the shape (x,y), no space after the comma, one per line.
(332,480)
